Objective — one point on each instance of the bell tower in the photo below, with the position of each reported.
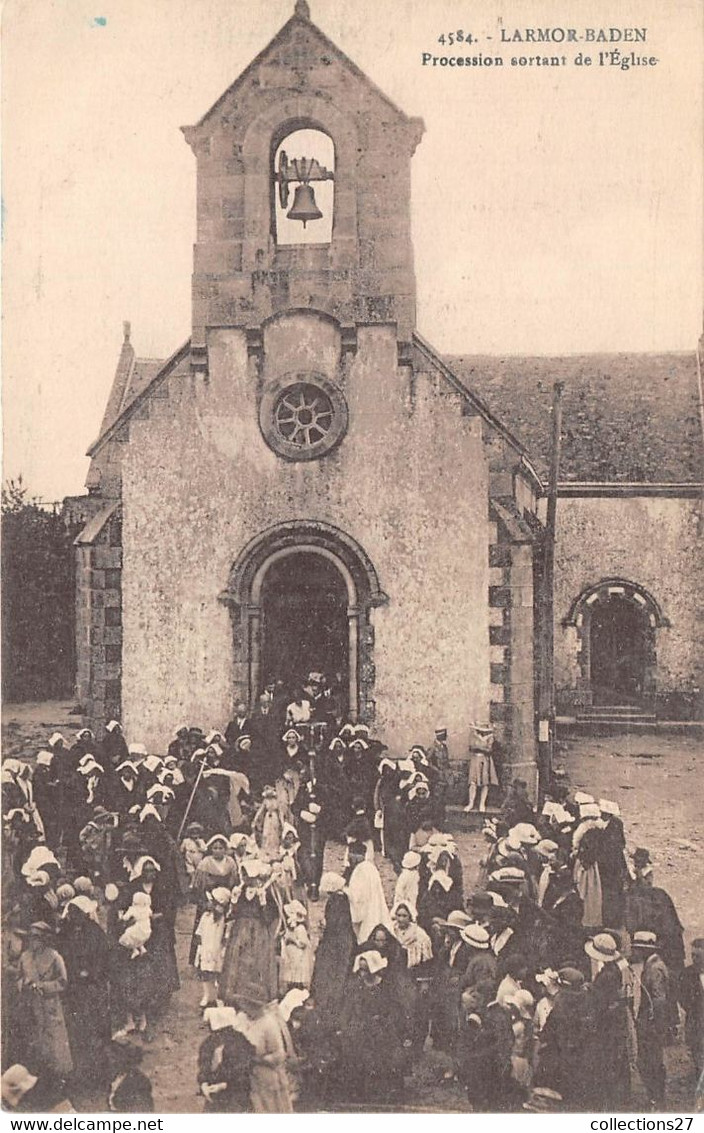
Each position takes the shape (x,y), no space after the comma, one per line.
(303,195)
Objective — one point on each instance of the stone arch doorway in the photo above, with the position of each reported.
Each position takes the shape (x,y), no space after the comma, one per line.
(299,593)
(304,600)
(616,623)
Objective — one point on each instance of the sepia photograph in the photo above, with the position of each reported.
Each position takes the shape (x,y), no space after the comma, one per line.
(352,585)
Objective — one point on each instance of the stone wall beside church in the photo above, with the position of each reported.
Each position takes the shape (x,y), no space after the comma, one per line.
(655,543)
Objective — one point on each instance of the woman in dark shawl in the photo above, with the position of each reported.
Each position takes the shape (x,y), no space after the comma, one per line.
(396,973)
(442,896)
(371,1041)
(250,967)
(225,1061)
(113,749)
(86,953)
(144,984)
(336,950)
(388,799)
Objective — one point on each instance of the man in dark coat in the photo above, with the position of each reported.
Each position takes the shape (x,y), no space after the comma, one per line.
(517,806)
(650,1005)
(439,761)
(649,907)
(691,995)
(239,725)
(566,1042)
(611,859)
(335,791)
(611,1055)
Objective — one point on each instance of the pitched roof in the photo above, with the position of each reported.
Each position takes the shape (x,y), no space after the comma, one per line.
(137,381)
(626,417)
(95,525)
(299,20)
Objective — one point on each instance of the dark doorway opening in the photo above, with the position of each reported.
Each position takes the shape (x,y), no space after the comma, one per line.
(305,627)
(618,652)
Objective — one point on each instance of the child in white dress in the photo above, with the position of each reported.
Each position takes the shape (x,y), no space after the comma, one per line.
(210,952)
(296,950)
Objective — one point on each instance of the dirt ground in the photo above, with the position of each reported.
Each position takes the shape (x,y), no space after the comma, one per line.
(658,784)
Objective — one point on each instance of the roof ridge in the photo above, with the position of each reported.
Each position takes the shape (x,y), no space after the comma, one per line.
(141,397)
(297,18)
(581,354)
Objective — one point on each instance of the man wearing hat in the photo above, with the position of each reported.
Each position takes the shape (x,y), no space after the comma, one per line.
(564,1057)
(481,961)
(547,852)
(611,858)
(439,761)
(649,906)
(612,1066)
(650,1007)
(691,995)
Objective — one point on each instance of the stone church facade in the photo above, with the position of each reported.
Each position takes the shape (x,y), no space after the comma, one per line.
(306,480)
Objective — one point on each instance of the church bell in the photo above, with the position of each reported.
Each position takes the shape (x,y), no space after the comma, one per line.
(304,206)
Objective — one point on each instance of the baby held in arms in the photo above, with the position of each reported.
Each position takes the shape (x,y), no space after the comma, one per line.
(139,930)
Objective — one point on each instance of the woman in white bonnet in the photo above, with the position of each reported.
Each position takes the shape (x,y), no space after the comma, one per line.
(408,882)
(336,949)
(371,1035)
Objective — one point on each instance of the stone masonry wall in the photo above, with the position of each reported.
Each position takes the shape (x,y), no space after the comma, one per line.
(655,543)
(408,482)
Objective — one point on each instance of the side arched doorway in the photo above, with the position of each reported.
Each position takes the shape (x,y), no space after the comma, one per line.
(300,596)
(616,623)
(618,649)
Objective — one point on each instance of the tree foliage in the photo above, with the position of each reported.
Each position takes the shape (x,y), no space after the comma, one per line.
(38,639)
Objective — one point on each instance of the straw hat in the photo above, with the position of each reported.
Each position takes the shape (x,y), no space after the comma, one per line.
(475,936)
(456,919)
(606,806)
(526,833)
(646,941)
(546,848)
(603,948)
(508,875)
(15,1083)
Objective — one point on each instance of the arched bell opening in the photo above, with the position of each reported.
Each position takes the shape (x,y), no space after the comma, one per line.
(303,183)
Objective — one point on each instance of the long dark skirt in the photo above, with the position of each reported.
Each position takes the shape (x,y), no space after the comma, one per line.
(132,984)
(86,1008)
(250,968)
(334,957)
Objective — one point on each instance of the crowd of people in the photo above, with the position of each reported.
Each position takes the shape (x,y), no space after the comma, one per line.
(555,984)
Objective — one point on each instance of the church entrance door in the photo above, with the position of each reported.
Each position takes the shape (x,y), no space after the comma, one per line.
(618,650)
(304,622)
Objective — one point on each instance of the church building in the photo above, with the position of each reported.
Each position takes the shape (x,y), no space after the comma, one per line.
(307,484)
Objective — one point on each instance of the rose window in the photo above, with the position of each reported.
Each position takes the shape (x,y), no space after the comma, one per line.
(304,415)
